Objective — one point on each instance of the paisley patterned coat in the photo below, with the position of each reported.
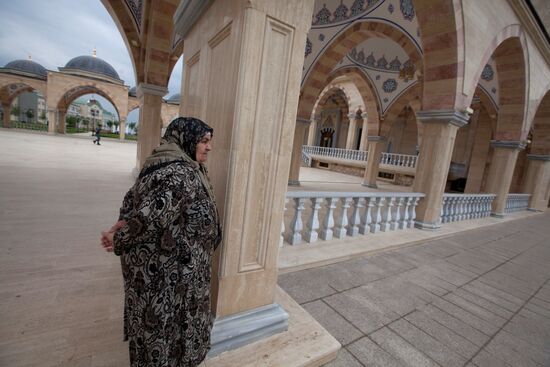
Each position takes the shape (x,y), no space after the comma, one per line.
(166,254)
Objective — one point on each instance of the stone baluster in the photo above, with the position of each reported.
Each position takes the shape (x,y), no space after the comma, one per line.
(355,221)
(403,223)
(386,217)
(396,214)
(328,224)
(377,216)
(444,209)
(366,224)
(311,234)
(461,208)
(340,229)
(297,225)
(282,239)
(412,212)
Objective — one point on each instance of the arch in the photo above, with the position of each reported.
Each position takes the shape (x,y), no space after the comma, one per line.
(339,47)
(351,97)
(509,48)
(540,144)
(70,94)
(441,31)
(372,106)
(397,106)
(12,87)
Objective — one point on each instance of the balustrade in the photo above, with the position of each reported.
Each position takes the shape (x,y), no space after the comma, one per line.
(401,160)
(341,214)
(517,202)
(457,207)
(349,154)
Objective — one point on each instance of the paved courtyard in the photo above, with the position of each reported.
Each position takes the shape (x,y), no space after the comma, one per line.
(479,298)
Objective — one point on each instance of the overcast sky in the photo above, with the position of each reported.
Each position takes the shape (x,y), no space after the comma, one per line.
(55,31)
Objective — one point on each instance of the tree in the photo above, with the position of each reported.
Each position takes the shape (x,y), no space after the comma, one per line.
(71,121)
(116,123)
(29,114)
(110,124)
(43,116)
(132,127)
(16,111)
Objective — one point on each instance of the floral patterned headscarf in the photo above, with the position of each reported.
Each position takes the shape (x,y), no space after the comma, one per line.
(186,132)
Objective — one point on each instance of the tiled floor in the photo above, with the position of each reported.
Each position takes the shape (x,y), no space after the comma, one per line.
(478,298)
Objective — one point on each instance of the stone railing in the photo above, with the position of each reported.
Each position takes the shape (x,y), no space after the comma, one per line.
(355,155)
(401,160)
(457,207)
(306,158)
(327,215)
(517,202)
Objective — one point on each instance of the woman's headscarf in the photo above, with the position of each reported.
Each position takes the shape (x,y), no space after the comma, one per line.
(186,132)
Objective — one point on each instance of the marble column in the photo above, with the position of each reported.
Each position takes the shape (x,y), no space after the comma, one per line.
(537,181)
(122,128)
(352,131)
(61,121)
(312,131)
(242,67)
(296,159)
(480,152)
(52,120)
(7,115)
(438,137)
(376,146)
(150,124)
(501,171)
(364,134)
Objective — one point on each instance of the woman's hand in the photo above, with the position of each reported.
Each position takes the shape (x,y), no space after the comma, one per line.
(107,236)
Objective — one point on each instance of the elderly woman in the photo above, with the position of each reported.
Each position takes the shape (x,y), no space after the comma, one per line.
(167,232)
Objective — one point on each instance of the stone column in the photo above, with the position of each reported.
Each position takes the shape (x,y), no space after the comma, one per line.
(352,131)
(7,115)
(122,127)
(364,143)
(52,120)
(61,121)
(537,181)
(438,137)
(242,67)
(376,146)
(480,152)
(296,159)
(312,132)
(150,103)
(501,171)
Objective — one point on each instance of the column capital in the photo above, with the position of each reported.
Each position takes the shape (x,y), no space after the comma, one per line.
(364,115)
(453,117)
(351,115)
(303,121)
(157,90)
(508,144)
(537,157)
(377,138)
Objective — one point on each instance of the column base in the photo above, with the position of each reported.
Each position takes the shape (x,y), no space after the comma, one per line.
(427,226)
(293,183)
(375,186)
(237,330)
(535,210)
(498,215)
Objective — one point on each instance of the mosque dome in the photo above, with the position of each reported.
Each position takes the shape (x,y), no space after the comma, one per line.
(26,67)
(132,92)
(91,65)
(174,99)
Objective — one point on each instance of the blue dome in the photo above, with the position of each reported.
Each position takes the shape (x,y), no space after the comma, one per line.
(132,92)
(27,67)
(91,64)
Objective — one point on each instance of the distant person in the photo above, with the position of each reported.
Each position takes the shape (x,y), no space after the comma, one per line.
(97,135)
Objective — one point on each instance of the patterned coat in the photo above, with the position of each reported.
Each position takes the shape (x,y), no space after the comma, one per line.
(166,254)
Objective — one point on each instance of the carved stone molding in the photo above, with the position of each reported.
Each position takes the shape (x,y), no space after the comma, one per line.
(453,117)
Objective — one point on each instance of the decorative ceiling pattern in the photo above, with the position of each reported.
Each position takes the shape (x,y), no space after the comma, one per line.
(489,82)
(383,62)
(332,17)
(136,9)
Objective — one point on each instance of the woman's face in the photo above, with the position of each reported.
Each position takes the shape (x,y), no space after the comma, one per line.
(203,147)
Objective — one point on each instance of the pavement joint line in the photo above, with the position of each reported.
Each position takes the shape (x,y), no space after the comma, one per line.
(353,355)
(486,300)
(489,322)
(473,327)
(342,316)
(506,323)
(411,344)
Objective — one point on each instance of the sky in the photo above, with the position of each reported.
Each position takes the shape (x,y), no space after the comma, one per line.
(53,32)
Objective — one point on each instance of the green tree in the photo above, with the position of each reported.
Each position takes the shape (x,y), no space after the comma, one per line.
(132,127)
(110,124)
(16,111)
(29,114)
(71,121)
(116,123)
(43,116)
